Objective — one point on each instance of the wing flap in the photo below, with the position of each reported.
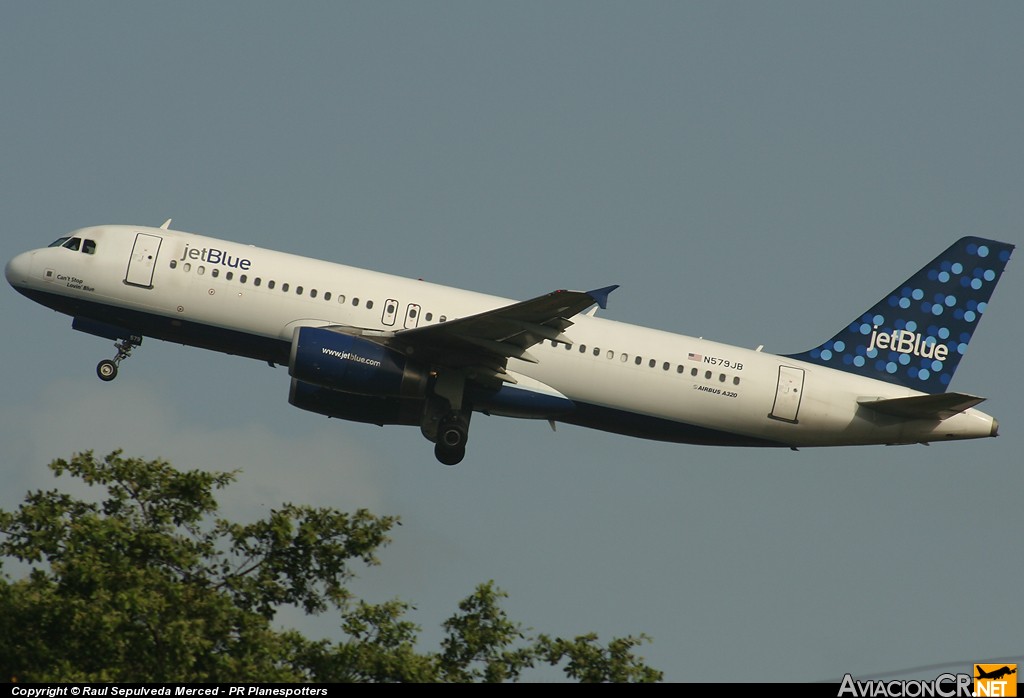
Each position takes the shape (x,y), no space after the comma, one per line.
(503,349)
(939,406)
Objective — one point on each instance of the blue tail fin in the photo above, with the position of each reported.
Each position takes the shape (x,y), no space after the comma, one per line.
(918,333)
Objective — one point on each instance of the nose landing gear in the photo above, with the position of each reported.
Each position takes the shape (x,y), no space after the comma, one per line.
(107,369)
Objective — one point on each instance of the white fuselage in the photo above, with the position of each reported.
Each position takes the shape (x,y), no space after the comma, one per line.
(247,300)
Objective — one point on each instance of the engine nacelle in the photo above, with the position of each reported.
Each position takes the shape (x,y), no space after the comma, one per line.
(351,364)
(357,408)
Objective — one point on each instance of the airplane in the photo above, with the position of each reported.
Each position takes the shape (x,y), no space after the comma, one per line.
(375,348)
(995,674)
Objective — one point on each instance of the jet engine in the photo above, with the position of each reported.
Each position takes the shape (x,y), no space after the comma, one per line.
(370,409)
(351,364)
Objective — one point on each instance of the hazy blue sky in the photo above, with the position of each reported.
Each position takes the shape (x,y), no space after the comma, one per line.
(755,173)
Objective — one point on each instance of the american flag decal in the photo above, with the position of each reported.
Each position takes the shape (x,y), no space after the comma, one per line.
(695,357)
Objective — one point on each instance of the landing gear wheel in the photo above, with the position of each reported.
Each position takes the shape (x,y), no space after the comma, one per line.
(106,370)
(450,448)
(449,456)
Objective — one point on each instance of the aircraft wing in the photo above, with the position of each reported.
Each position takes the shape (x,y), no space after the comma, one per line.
(939,406)
(487,340)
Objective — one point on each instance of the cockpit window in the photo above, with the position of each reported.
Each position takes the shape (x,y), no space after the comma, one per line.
(76,244)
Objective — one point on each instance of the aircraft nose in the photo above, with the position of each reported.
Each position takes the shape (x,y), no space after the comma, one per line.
(18,269)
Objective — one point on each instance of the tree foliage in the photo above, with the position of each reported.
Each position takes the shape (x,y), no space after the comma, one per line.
(147,583)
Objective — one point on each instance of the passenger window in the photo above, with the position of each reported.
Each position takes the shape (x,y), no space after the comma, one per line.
(442,319)
(215,272)
(597,352)
(270,284)
(298,290)
(89,247)
(200,270)
(624,358)
(242,278)
(284,288)
(707,375)
(639,361)
(187,266)
(174,264)
(736,380)
(327,295)
(429,316)
(355,302)
(679,368)
(583,348)
(257,281)
(312,293)
(229,275)
(341,298)
(665,366)
(369,305)
(693,371)
(610,354)
(653,363)
(721,377)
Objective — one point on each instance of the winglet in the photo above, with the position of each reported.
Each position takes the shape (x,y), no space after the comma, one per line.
(600,295)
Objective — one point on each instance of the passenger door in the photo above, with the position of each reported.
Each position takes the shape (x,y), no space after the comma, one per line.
(788,394)
(143,260)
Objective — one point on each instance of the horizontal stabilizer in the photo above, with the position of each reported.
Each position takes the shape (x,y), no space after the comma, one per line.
(940,406)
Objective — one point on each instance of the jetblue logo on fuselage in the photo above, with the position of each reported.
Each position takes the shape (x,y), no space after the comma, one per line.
(212,255)
(907,342)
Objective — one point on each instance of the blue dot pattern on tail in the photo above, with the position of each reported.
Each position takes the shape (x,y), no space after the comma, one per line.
(917,334)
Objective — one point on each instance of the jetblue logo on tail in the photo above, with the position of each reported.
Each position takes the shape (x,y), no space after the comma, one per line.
(917,334)
(907,342)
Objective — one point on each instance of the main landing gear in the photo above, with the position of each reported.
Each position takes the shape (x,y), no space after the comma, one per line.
(452,434)
(448,427)
(107,369)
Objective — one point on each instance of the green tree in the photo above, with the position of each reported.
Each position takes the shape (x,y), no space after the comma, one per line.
(147,584)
